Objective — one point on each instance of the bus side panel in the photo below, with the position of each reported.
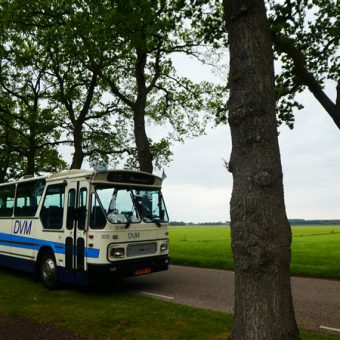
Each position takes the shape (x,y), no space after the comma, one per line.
(54,246)
(23,244)
(5,237)
(16,245)
(17,263)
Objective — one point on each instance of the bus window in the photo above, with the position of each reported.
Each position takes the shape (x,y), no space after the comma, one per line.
(7,200)
(151,205)
(98,219)
(82,208)
(28,197)
(52,210)
(71,203)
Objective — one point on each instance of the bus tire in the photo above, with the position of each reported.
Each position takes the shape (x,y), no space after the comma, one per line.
(49,272)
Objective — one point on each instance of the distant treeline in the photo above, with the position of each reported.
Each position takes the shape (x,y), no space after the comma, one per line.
(313,222)
(179,223)
(296,221)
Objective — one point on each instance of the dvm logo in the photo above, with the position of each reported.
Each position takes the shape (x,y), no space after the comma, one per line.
(22,227)
(133,236)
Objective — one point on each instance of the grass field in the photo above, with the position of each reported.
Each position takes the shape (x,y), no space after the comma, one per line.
(315,250)
(107,313)
(111,313)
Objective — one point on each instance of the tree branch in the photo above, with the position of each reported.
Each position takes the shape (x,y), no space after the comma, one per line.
(41,146)
(9,126)
(15,94)
(89,96)
(182,85)
(157,67)
(167,100)
(15,116)
(287,46)
(182,48)
(66,102)
(107,152)
(115,90)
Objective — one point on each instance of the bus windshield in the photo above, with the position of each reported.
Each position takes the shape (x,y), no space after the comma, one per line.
(123,205)
(151,205)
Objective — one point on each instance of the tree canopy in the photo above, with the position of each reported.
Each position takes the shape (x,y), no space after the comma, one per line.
(306,36)
(109,71)
(106,71)
(28,127)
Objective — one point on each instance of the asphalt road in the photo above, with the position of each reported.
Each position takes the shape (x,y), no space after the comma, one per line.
(316,301)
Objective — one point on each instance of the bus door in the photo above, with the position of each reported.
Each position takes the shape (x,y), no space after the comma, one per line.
(75,242)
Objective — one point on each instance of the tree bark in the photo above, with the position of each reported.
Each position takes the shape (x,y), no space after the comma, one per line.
(31,147)
(261,235)
(144,154)
(78,155)
(142,142)
(30,165)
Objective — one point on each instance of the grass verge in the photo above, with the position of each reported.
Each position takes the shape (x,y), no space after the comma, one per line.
(108,313)
(111,313)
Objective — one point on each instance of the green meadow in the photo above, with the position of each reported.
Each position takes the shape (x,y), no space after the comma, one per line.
(315,249)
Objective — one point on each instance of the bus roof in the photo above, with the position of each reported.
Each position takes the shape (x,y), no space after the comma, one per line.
(121,177)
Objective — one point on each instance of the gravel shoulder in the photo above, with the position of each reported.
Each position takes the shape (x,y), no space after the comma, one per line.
(17,328)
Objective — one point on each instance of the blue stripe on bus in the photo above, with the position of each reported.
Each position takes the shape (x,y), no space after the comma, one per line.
(35,244)
(92,252)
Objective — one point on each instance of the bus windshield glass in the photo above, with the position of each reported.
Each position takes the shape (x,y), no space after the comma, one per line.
(151,205)
(123,205)
(118,205)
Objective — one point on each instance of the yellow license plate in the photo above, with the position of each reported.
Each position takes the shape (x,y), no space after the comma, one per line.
(142,271)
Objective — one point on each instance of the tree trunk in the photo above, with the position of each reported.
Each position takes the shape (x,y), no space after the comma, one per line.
(5,155)
(31,148)
(3,171)
(261,235)
(144,154)
(31,154)
(78,155)
(30,166)
(142,142)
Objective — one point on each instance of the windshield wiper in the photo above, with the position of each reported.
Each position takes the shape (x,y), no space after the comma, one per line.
(138,207)
(128,218)
(157,221)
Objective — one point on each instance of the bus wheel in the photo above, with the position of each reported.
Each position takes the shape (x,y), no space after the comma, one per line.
(48,272)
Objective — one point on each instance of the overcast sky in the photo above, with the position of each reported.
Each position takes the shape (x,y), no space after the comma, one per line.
(198,187)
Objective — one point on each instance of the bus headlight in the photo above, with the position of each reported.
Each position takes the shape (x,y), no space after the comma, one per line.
(164,247)
(117,252)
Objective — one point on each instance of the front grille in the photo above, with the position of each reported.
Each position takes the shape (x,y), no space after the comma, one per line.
(140,249)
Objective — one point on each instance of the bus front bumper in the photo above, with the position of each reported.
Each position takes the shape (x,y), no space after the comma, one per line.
(134,267)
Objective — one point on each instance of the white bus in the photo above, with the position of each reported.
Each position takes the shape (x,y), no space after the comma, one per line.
(76,225)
